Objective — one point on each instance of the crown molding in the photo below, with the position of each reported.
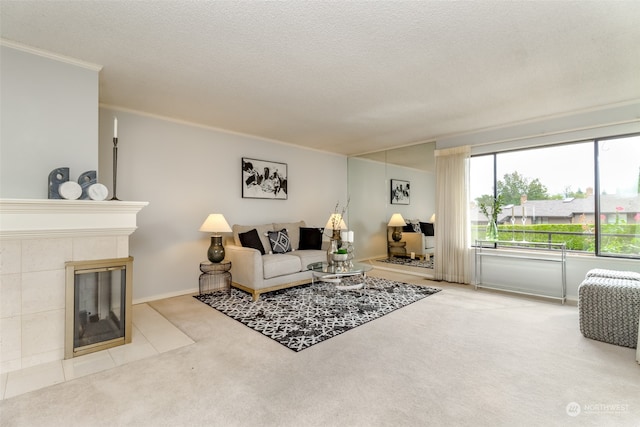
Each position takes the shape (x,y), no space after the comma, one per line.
(50,55)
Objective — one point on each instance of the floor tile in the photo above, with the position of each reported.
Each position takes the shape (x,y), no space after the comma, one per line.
(161,333)
(139,348)
(87,364)
(34,378)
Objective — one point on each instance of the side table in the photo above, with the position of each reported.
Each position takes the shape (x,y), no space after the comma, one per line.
(215,277)
(397,248)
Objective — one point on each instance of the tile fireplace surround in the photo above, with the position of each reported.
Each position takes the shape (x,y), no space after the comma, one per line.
(37,237)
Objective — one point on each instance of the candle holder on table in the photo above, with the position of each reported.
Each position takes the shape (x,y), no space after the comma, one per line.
(115,167)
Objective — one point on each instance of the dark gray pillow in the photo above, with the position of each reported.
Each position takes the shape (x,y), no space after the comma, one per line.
(310,238)
(427,228)
(251,239)
(280,242)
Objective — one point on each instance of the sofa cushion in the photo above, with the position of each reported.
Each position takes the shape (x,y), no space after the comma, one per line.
(275,265)
(251,239)
(262,233)
(310,238)
(279,241)
(310,256)
(293,229)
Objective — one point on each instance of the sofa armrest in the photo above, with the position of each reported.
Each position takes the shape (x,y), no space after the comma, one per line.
(246,265)
(429,244)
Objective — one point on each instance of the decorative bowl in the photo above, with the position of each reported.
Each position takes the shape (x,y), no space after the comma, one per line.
(339,257)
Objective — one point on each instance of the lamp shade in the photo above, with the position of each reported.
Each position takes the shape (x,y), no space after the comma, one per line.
(215,223)
(335,222)
(433,218)
(397,221)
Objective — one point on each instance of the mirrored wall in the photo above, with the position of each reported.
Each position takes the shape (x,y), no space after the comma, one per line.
(370,191)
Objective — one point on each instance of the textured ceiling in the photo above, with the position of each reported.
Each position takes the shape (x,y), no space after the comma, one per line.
(345,77)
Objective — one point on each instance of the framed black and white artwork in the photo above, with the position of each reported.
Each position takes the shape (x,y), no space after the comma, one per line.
(263,179)
(400,192)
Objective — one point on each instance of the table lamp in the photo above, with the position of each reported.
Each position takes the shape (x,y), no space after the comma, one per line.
(335,224)
(397,222)
(216,224)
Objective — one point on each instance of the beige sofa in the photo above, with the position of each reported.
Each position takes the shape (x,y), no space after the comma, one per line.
(256,273)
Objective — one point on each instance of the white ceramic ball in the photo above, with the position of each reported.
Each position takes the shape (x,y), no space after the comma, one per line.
(97,191)
(70,190)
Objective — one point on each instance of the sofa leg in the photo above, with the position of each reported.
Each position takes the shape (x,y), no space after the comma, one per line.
(255,295)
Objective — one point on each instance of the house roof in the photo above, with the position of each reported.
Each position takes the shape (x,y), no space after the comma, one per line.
(569,208)
(344,77)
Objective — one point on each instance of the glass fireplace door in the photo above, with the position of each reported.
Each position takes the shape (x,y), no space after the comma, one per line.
(101,314)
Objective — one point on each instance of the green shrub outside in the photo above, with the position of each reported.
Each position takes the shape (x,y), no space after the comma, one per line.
(616,238)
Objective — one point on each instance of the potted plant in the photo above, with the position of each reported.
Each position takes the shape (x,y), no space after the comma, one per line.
(340,255)
(492,216)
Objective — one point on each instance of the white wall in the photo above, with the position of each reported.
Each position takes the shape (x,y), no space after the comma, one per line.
(49,119)
(186,172)
(614,120)
(370,208)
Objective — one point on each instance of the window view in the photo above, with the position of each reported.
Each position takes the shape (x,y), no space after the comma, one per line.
(619,190)
(550,195)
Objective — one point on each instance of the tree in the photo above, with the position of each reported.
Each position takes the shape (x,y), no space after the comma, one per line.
(568,193)
(514,185)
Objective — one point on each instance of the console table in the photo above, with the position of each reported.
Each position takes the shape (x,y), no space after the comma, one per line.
(536,252)
(397,248)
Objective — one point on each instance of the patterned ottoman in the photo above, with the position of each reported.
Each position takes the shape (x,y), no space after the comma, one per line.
(609,306)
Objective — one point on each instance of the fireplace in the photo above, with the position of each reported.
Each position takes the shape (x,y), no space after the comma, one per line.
(37,239)
(98,305)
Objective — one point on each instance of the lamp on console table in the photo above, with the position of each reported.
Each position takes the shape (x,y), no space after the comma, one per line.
(216,224)
(397,222)
(335,224)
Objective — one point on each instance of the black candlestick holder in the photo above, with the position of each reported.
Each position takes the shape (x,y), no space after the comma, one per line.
(115,168)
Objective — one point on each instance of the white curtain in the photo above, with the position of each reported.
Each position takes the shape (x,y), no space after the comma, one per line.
(452,227)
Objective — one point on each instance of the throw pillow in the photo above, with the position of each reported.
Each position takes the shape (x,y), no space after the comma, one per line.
(408,228)
(251,239)
(292,230)
(427,228)
(310,238)
(280,242)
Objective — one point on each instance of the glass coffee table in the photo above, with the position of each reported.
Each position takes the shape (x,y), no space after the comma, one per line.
(335,273)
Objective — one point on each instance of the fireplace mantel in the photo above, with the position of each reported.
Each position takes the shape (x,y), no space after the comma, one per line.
(44,218)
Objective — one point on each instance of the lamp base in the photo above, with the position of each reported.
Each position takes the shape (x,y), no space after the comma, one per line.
(216,250)
(397,235)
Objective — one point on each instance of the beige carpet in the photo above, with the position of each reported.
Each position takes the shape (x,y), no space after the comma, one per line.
(460,357)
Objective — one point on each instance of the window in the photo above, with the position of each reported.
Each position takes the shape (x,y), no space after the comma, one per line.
(619,196)
(585,194)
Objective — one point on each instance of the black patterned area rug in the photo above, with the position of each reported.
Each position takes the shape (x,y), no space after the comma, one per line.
(305,315)
(408,261)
